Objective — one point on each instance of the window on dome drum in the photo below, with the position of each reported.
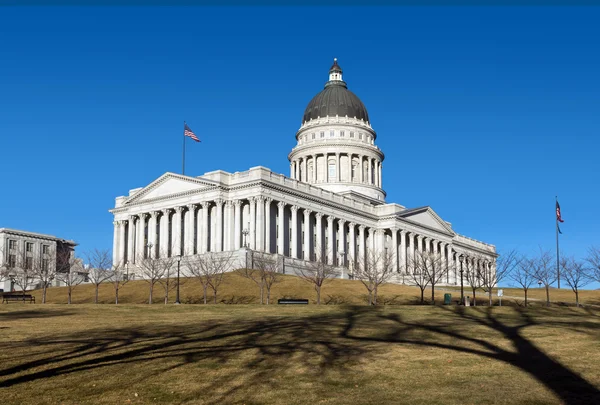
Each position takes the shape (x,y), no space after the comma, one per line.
(353,176)
(360,136)
(331,134)
(313,135)
(351,134)
(342,133)
(331,171)
(322,134)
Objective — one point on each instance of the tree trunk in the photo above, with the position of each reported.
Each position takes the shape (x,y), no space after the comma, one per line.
(262,289)
(318,289)
(150,296)
(117,296)
(69,292)
(43,293)
(547,295)
(525,290)
(215,295)
(268,295)
(490,297)
(375,295)
(422,296)
(205,293)
(577,298)
(432,294)
(96,296)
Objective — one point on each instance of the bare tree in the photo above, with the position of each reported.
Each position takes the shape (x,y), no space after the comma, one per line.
(522,275)
(153,269)
(119,277)
(474,275)
(593,260)
(318,272)
(544,271)
(45,269)
(21,269)
(99,271)
(73,276)
(167,281)
(415,273)
(575,274)
(377,268)
(494,273)
(209,269)
(264,276)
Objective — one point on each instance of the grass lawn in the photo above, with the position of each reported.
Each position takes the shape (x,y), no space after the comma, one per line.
(343,354)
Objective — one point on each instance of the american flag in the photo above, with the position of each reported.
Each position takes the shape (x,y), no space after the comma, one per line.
(558,217)
(188,132)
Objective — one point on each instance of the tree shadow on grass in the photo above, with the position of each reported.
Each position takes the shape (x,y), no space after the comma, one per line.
(327,341)
(32,314)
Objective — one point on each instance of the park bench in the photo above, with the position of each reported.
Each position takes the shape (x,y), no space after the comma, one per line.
(301,301)
(6,298)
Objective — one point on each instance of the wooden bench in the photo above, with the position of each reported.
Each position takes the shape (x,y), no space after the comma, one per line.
(301,301)
(6,298)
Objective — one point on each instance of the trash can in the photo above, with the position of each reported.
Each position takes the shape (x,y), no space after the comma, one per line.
(447,299)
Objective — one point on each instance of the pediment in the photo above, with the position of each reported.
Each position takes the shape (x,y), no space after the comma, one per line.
(427,217)
(169,184)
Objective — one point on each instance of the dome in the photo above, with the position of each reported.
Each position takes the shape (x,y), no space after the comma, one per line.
(335,99)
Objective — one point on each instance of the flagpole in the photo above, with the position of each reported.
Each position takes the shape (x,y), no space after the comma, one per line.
(183,157)
(557,254)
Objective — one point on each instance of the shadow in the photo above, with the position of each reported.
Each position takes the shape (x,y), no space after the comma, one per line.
(32,314)
(259,350)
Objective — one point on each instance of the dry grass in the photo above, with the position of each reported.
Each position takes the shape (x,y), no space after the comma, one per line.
(238,290)
(240,354)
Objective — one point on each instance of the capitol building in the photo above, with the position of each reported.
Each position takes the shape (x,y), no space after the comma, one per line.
(331,206)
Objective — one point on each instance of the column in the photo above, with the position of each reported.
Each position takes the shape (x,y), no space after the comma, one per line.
(268,202)
(219,226)
(280,227)
(350,167)
(152,234)
(292,169)
(338,168)
(360,168)
(307,234)
(294,230)
(199,229)
(361,242)
(314,168)
(305,169)
(331,244)
(370,171)
(402,251)
(319,232)
(205,226)
(342,238)
(380,235)
(228,226)
(297,169)
(260,223)
(130,238)
(352,240)
(450,264)
(140,229)
(115,251)
(411,253)
(394,252)
(176,232)
(237,226)
(189,230)
(379,176)
(252,235)
(163,241)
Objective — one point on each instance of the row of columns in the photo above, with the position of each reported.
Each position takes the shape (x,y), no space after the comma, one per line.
(299,169)
(281,228)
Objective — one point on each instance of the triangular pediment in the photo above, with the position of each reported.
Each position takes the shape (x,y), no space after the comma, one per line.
(427,217)
(169,184)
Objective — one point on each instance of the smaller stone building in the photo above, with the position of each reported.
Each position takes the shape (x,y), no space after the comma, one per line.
(22,251)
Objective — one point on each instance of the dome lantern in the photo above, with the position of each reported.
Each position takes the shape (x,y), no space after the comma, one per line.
(335,73)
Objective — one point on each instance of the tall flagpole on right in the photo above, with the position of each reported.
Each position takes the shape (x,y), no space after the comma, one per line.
(557,214)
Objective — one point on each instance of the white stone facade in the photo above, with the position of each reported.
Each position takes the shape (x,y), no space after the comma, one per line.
(332,205)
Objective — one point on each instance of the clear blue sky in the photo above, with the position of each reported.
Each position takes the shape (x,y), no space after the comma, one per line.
(484,113)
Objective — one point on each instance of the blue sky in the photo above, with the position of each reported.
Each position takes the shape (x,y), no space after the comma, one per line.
(484,113)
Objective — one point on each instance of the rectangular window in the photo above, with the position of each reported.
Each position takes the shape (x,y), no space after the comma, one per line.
(342,133)
(313,136)
(360,136)
(45,249)
(331,134)
(12,261)
(322,134)
(29,247)
(331,171)
(12,244)
(351,134)
(29,263)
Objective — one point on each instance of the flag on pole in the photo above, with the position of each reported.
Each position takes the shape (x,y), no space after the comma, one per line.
(558,217)
(188,132)
(558,228)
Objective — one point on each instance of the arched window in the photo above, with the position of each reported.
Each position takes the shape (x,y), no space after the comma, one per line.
(331,170)
(310,171)
(354,171)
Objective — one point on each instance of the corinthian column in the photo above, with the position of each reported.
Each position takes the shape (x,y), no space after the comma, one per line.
(176,232)
(307,255)
(219,225)
(252,201)
(152,234)
(268,244)
(331,244)
(189,230)
(361,242)
(352,240)
(379,176)
(305,169)
(163,240)
(342,239)
(140,242)
(294,220)
(237,227)
(228,227)
(130,238)
(394,252)
(402,251)
(319,248)
(205,226)
(338,168)
(281,225)
(115,252)
(260,223)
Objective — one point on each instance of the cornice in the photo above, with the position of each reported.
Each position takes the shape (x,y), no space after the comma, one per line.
(336,144)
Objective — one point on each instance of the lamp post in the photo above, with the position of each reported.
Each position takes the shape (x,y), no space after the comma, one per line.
(461,258)
(245,232)
(178,264)
(539,283)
